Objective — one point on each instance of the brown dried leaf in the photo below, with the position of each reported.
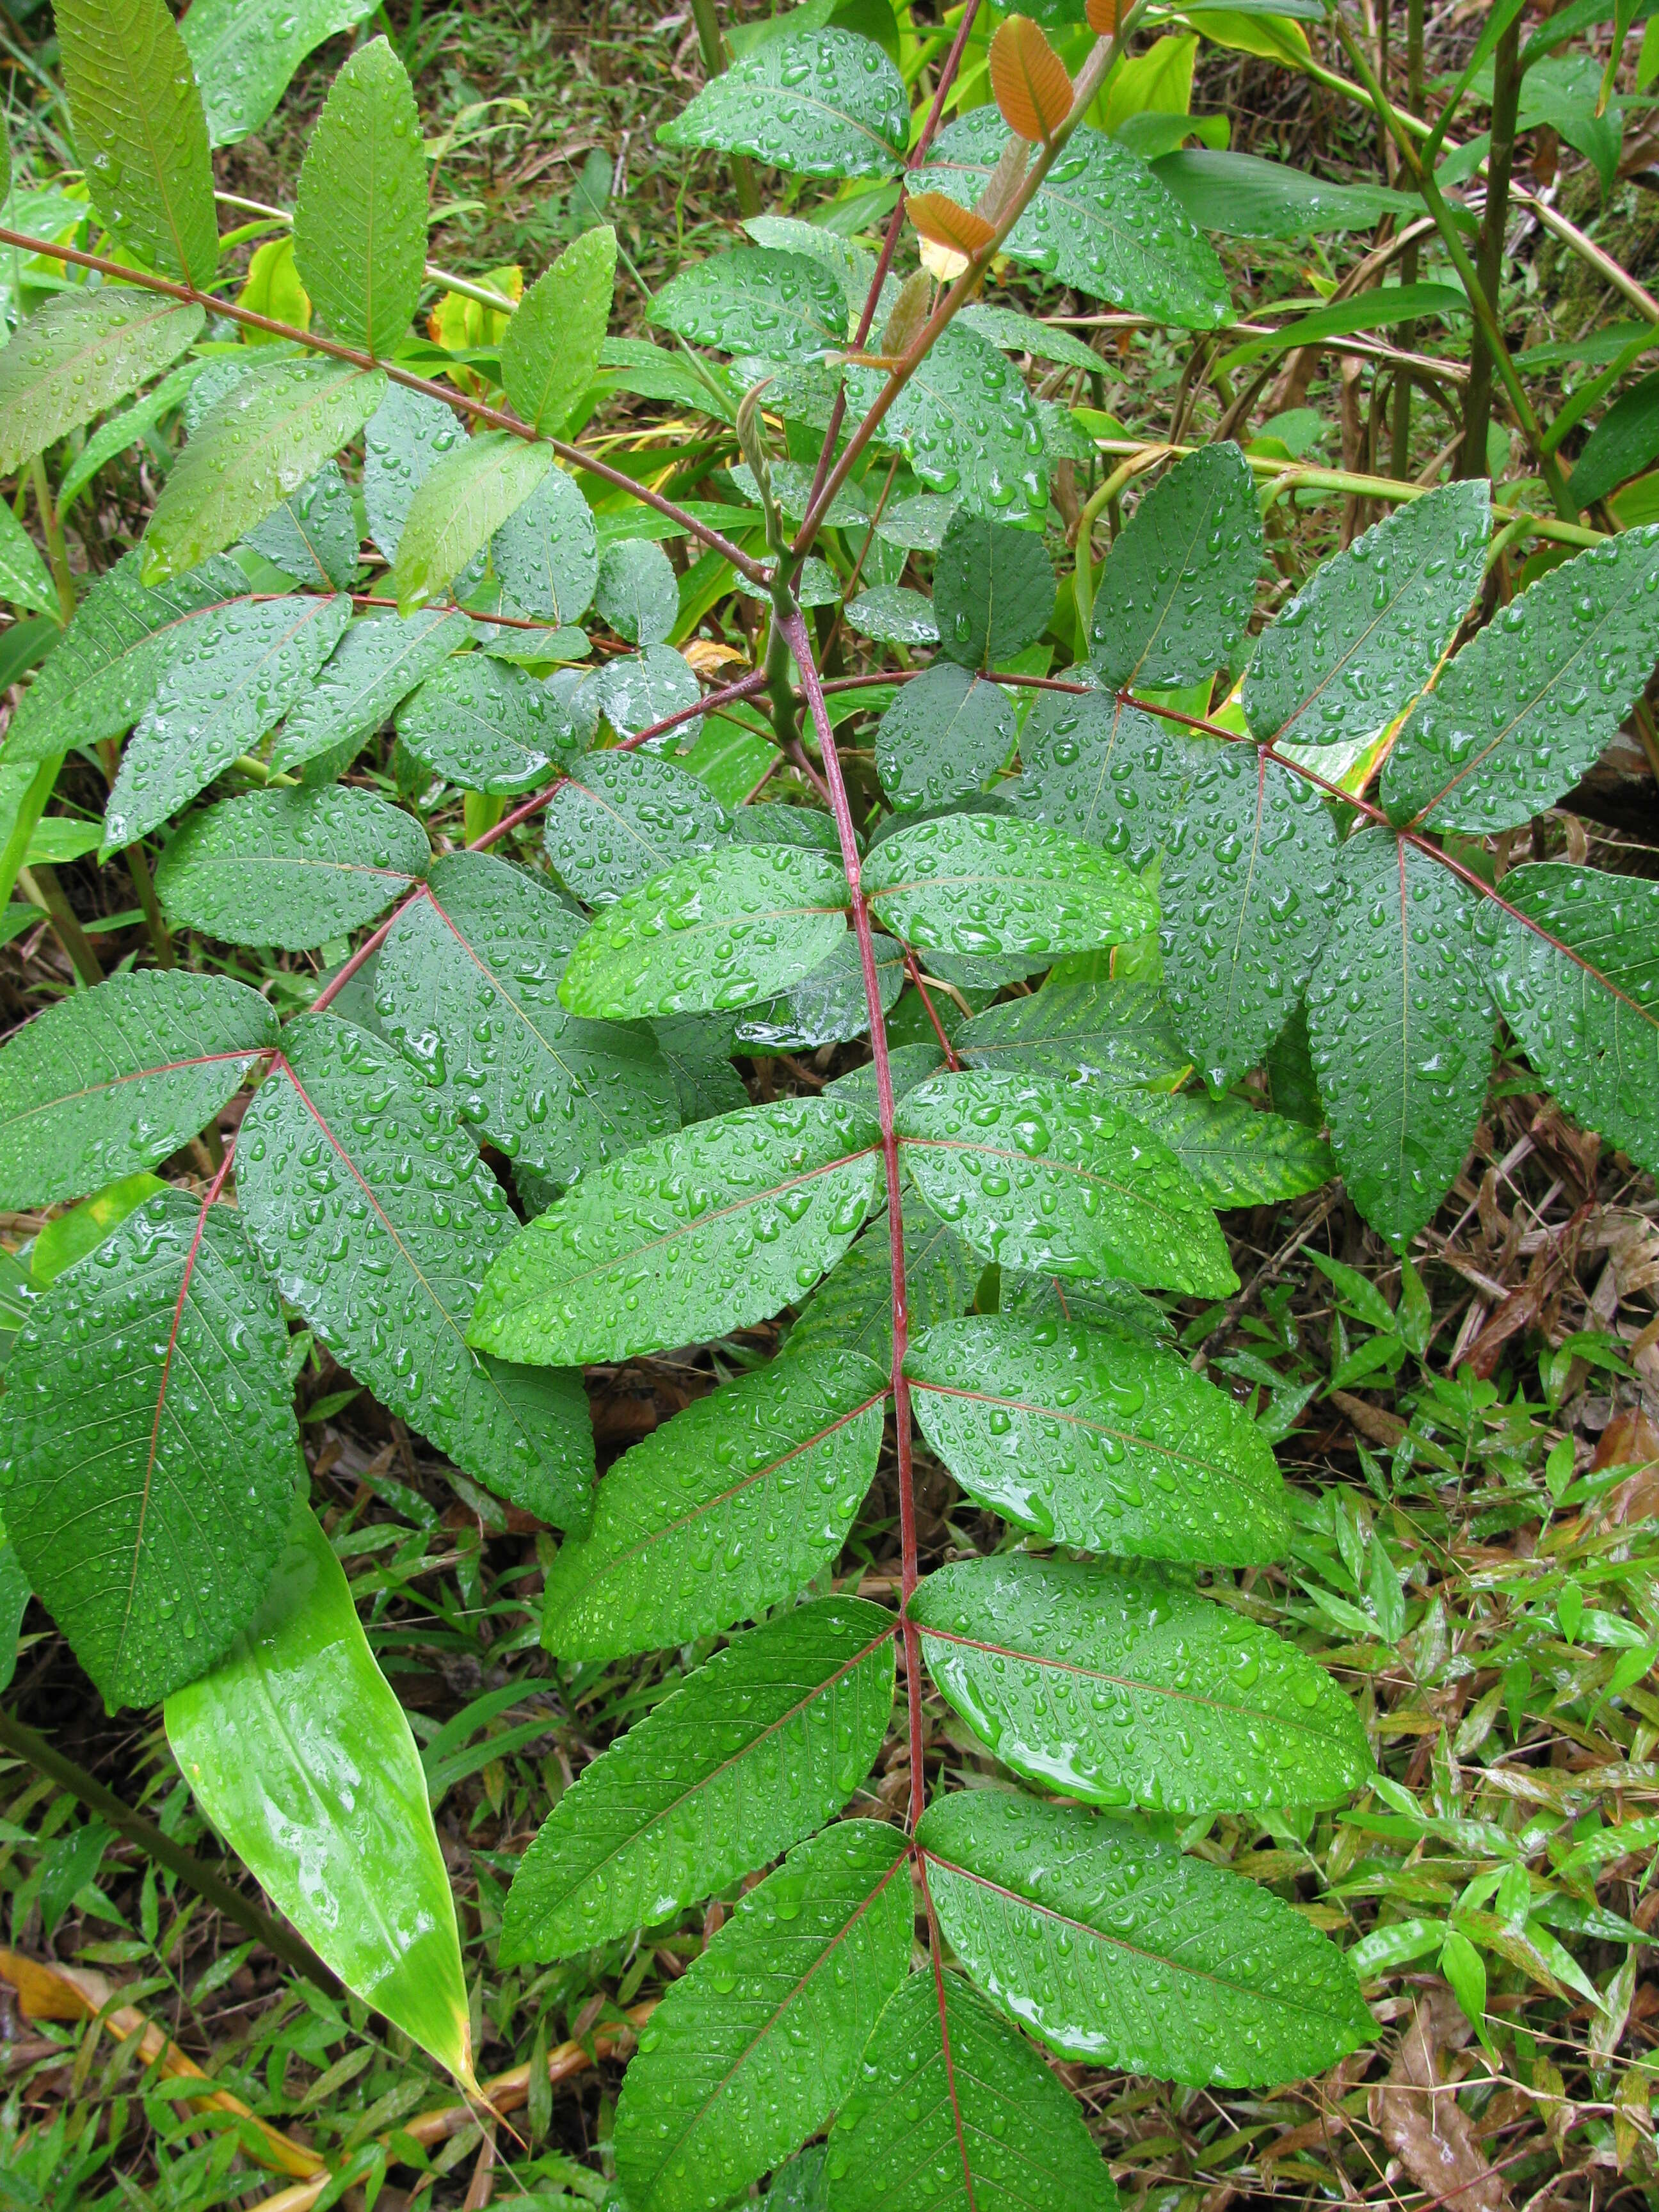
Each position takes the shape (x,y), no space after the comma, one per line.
(1417,2113)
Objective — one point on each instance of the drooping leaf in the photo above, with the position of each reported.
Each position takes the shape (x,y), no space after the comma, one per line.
(951,2098)
(24,580)
(147,1408)
(294,868)
(380,1221)
(1179,583)
(232,678)
(618,819)
(943,736)
(1130,1688)
(1248,888)
(1115,1035)
(467,989)
(140,133)
(378,663)
(828,1006)
(459,506)
(77,355)
(1400,1026)
(853,1308)
(824,103)
(966,425)
(547,551)
(403,441)
(1583,996)
(637,591)
(755,2046)
(753,1751)
(719,930)
(113,1079)
(1104,772)
(1361,639)
(1094,1441)
(1528,705)
(753,299)
(1236,1154)
(312,535)
(245,51)
(550,353)
(296,1749)
(360,215)
(270,433)
(1100,221)
(1115,1948)
(984,883)
(484,724)
(698,1233)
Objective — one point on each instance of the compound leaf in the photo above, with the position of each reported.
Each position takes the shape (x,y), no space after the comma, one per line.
(360,216)
(755,299)
(380,662)
(1179,583)
(619,819)
(821,104)
(245,51)
(457,508)
(943,736)
(484,724)
(79,352)
(984,883)
(966,424)
(550,354)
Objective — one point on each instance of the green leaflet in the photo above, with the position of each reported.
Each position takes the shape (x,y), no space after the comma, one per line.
(466,987)
(78,353)
(1248,889)
(271,432)
(893,614)
(1104,772)
(294,868)
(403,441)
(1361,639)
(1242,196)
(943,736)
(1626,439)
(484,724)
(550,354)
(753,1751)
(380,1222)
(1179,583)
(619,819)
(949,2091)
(1583,998)
(727,1509)
(754,299)
(547,551)
(718,931)
(637,591)
(232,676)
(459,506)
(828,1006)
(967,424)
(140,133)
(1402,1087)
(84,1227)
(297,1751)
(360,215)
(1528,705)
(114,1080)
(824,103)
(377,664)
(698,1233)
(1119,1308)
(245,52)
(637,689)
(984,883)
(147,1408)
(1117,1035)
(116,433)
(1039,1174)
(1101,220)
(698,1048)
(1115,1948)
(753,2049)
(1017,333)
(1131,1689)
(24,580)
(1236,1154)
(853,1308)
(1091,1440)
(312,535)
(994,591)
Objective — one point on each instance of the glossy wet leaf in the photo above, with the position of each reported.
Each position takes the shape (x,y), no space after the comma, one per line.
(1100,221)
(1092,1440)
(619,819)
(754,2047)
(853,1308)
(1362,637)
(147,1408)
(754,1751)
(1399,1026)
(1119,1308)
(230,678)
(637,591)
(550,353)
(403,441)
(828,1006)
(297,1750)
(1249,889)
(1529,704)
(71,1236)
(457,509)
(951,2103)
(360,216)
(1098,770)
(1114,1035)
(893,614)
(1236,1153)
(635,690)
(966,425)
(755,299)
(380,1222)
(467,989)
(698,1048)
(484,724)
(24,580)
(294,868)
(244,54)
(986,883)
(1584,997)
(378,663)
(1116,1949)
(77,354)
(1130,1688)
(547,551)
(718,931)
(1179,583)
(685,1238)
(1040,1174)
(113,1079)
(312,535)
(943,736)
(823,104)
(994,591)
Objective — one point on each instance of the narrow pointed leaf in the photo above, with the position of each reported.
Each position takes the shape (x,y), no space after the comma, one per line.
(547,551)
(77,355)
(620,819)
(753,1751)
(297,1751)
(114,1080)
(484,724)
(1113,1035)
(360,216)
(729,1508)
(1093,1441)
(699,1233)
(1236,1154)
(943,737)
(823,104)
(1099,770)
(377,665)
(459,507)
(24,580)
(149,1444)
(983,884)
(245,51)
(550,354)
(1038,1174)
(753,2049)
(755,299)
(312,535)
(1115,1948)
(293,868)
(1179,583)
(1131,1689)
(853,1308)
(967,424)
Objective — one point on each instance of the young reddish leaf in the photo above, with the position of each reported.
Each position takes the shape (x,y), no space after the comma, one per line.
(1029,79)
(942,222)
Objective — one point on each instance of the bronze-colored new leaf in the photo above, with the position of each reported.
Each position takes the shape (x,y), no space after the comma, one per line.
(942,222)
(1029,80)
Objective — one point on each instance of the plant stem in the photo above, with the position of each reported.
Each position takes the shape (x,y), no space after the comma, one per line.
(31,807)
(52,529)
(714,61)
(144,884)
(1489,263)
(1401,445)
(41,887)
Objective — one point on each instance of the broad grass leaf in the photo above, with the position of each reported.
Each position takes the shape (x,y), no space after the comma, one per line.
(360,215)
(826,104)
(77,354)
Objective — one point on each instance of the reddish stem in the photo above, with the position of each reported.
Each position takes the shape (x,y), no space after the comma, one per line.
(913,967)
